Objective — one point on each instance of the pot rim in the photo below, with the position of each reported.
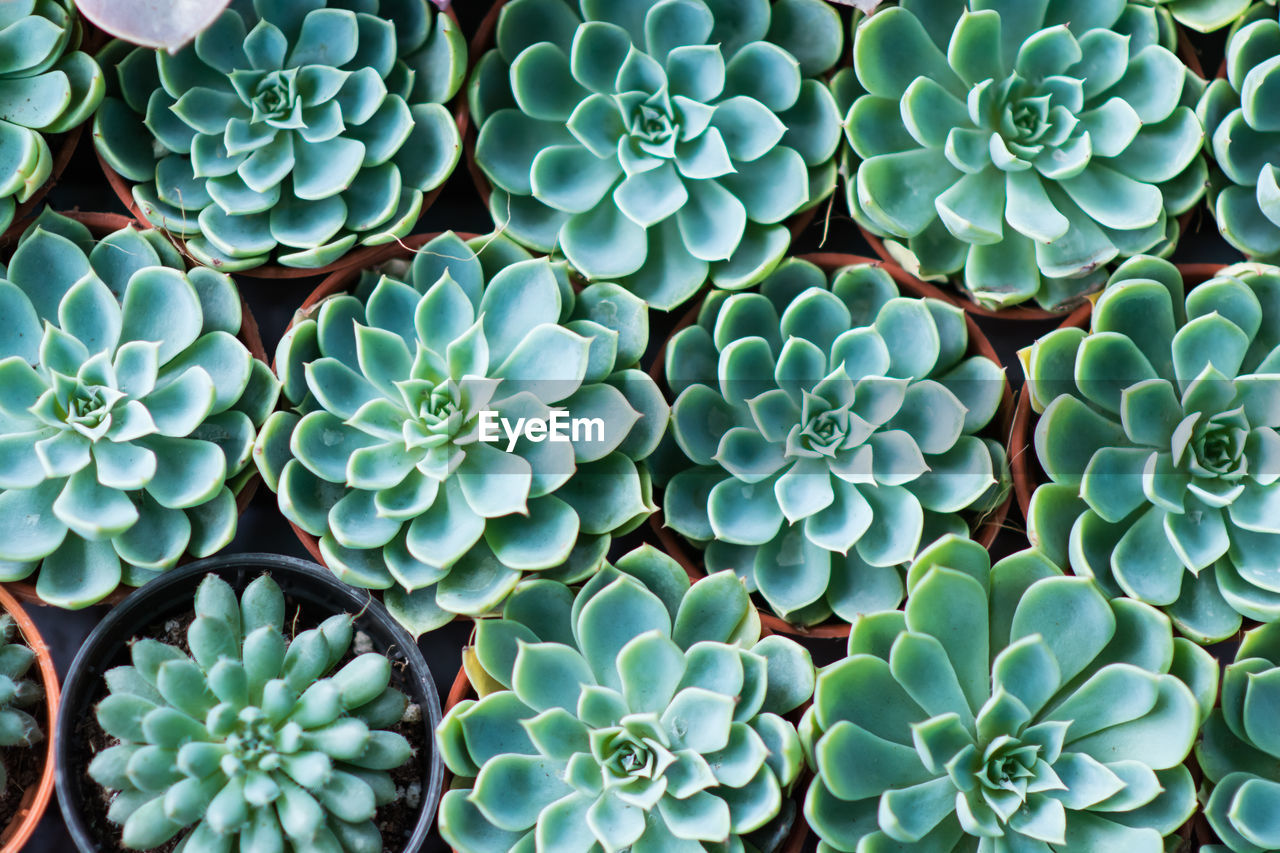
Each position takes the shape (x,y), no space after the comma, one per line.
(136,611)
(984,533)
(32,808)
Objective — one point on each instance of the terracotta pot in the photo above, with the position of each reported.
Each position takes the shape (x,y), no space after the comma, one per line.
(1001,426)
(353,259)
(338,282)
(100,225)
(1028,311)
(1027,473)
(481,42)
(795,841)
(36,798)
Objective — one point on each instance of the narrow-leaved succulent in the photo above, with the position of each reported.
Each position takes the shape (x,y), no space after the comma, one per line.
(1158,433)
(829,430)
(47,86)
(395,452)
(17,695)
(1239,753)
(657,142)
(1006,708)
(1244,138)
(641,714)
(1021,145)
(288,131)
(128,410)
(247,740)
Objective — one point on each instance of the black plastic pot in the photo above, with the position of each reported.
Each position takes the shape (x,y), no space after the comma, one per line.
(170,596)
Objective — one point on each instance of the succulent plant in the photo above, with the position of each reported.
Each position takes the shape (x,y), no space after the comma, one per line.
(251,738)
(388,453)
(658,142)
(17,727)
(1020,147)
(286,132)
(47,86)
(1244,142)
(828,430)
(1158,435)
(1239,753)
(1006,708)
(128,410)
(640,714)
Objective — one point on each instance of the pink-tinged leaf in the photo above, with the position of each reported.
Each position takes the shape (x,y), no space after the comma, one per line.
(166,24)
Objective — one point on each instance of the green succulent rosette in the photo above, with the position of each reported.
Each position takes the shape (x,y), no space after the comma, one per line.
(823,431)
(1006,708)
(1016,147)
(288,132)
(18,694)
(128,410)
(1239,752)
(1243,140)
(393,389)
(47,86)
(640,714)
(1158,436)
(658,142)
(245,739)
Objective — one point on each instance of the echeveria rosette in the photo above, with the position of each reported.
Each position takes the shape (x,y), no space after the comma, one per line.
(288,132)
(1240,753)
(18,696)
(658,142)
(247,739)
(1020,146)
(640,713)
(1158,436)
(47,86)
(128,410)
(380,455)
(827,431)
(1005,708)
(1245,140)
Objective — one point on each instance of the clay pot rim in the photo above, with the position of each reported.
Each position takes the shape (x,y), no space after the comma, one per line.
(271,270)
(986,531)
(33,806)
(101,224)
(1025,466)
